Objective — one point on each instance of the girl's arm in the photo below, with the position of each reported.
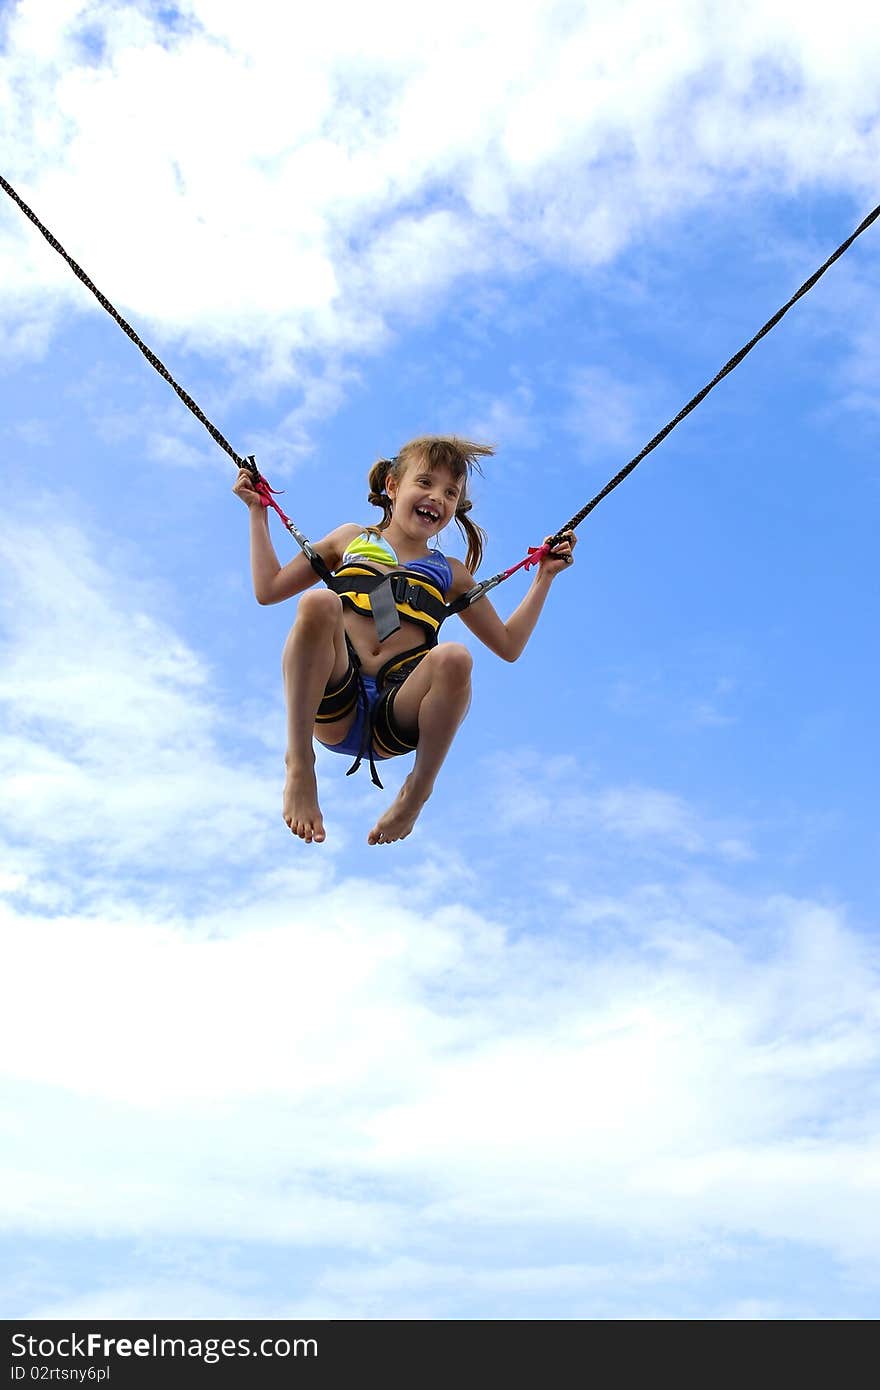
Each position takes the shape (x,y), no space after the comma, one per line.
(508,639)
(274,582)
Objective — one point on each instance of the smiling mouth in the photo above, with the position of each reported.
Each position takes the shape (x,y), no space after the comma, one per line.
(427,514)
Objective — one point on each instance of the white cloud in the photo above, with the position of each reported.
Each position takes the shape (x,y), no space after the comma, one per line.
(290,440)
(371,1069)
(308,177)
(165,1298)
(646,817)
(311,1059)
(604,412)
(507,420)
(112,731)
(27,334)
(695,695)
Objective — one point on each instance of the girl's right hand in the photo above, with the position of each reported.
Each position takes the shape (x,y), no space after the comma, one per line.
(244,488)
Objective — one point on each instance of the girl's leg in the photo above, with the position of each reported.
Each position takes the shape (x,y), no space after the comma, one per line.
(434,700)
(314,654)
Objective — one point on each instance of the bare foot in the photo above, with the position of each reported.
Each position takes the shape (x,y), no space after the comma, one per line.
(400,817)
(300,807)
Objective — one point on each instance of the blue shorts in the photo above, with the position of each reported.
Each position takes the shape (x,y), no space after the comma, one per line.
(353,742)
(373,726)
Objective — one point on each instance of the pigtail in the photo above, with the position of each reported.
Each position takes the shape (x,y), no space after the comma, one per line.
(474,535)
(378,477)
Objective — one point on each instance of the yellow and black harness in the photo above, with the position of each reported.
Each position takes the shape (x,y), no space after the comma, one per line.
(387,598)
(406,594)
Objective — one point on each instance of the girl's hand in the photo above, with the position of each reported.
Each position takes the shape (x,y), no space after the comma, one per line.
(560,556)
(243,487)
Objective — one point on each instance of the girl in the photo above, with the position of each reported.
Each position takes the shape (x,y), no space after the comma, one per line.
(362,672)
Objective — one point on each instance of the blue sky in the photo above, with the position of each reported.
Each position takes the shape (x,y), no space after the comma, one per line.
(600,1039)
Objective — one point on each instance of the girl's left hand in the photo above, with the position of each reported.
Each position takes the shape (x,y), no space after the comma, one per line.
(560,556)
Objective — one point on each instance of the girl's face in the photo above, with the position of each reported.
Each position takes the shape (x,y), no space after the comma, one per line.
(424,498)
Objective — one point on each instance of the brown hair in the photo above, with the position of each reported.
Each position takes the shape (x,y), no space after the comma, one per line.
(461,457)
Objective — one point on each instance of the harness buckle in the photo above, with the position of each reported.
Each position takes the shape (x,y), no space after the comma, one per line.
(407,592)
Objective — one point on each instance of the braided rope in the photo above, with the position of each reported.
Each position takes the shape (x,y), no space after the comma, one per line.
(578,516)
(728,367)
(126,327)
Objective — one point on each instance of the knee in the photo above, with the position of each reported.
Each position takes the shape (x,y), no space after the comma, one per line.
(318,608)
(453,664)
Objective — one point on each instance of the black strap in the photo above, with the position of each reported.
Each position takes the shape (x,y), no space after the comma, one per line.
(366,748)
(415,596)
(404,587)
